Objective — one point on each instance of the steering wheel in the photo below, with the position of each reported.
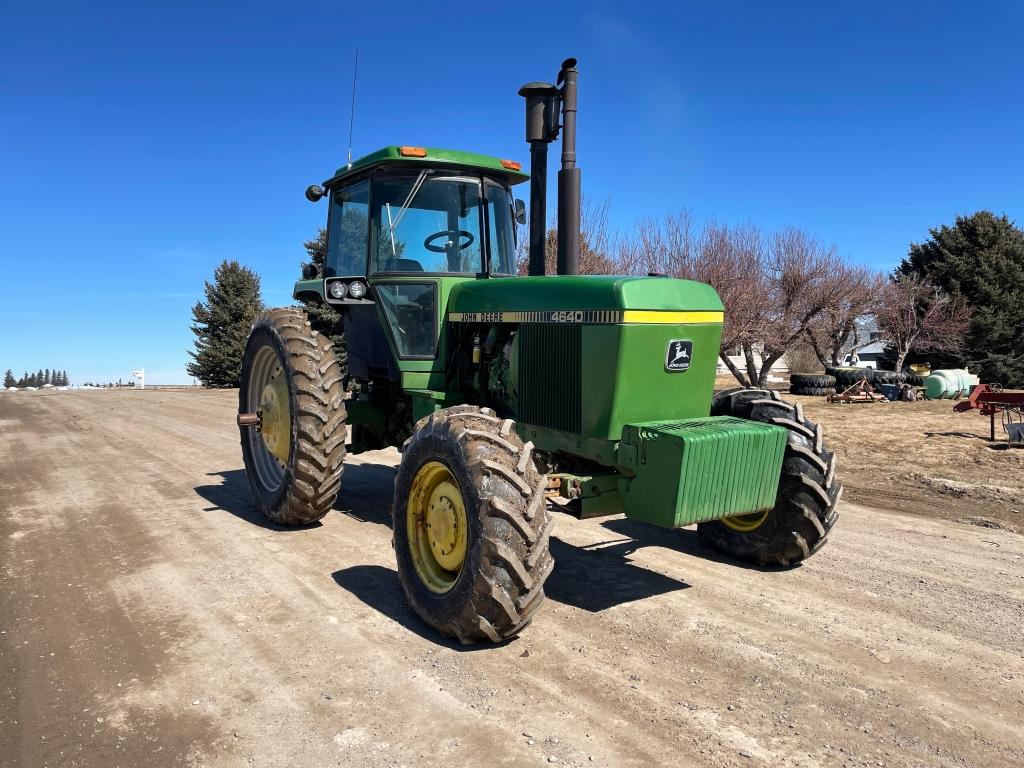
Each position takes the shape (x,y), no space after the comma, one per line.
(455,236)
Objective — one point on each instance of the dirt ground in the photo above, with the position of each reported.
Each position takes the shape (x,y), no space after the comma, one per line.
(148,617)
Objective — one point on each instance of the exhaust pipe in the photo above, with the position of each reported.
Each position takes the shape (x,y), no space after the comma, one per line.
(568,177)
(545,103)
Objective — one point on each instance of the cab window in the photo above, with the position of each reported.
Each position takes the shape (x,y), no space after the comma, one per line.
(411,309)
(347,230)
(500,225)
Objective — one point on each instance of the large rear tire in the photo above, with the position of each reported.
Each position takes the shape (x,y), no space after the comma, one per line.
(805,508)
(471,525)
(292,379)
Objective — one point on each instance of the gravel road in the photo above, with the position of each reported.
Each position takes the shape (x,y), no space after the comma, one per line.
(150,618)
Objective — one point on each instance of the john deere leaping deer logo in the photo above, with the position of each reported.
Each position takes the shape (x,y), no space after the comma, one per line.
(677,357)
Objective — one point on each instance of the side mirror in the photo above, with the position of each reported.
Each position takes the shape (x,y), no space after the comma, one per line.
(309,271)
(314,192)
(520,211)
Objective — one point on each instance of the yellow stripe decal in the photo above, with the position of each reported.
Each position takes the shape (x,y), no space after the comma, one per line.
(591,316)
(674,318)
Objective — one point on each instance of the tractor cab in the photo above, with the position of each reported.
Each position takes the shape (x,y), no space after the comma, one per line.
(405,225)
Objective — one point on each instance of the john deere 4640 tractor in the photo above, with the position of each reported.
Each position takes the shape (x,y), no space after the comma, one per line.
(503,391)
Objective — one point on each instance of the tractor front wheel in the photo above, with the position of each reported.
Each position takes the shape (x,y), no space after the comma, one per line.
(805,508)
(471,525)
(293,436)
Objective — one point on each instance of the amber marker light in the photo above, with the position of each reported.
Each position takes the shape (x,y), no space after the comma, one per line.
(412,151)
(512,165)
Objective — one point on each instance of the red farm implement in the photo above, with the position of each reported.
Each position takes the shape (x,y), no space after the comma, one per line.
(990,400)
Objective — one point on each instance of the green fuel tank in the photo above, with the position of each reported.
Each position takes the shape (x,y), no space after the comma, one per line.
(948,383)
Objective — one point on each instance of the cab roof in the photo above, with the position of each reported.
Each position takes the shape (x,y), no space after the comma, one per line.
(433,157)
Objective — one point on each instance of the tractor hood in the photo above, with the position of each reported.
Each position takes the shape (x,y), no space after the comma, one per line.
(560,293)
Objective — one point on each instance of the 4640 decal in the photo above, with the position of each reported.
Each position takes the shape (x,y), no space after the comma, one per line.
(547,316)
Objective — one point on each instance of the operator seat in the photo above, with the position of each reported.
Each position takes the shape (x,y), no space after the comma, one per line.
(401,265)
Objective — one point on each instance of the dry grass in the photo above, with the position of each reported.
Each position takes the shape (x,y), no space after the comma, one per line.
(922,457)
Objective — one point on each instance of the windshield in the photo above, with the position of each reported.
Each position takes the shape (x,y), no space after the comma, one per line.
(432,221)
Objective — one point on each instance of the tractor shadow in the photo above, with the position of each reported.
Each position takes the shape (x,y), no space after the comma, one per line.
(600,576)
(379,588)
(685,541)
(366,491)
(233,495)
(365,496)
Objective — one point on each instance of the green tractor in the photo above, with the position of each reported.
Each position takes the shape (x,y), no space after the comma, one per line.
(503,391)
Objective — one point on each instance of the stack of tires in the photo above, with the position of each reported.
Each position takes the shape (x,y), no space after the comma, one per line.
(848,376)
(812,384)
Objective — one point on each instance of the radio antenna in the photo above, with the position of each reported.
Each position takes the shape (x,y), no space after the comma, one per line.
(352,113)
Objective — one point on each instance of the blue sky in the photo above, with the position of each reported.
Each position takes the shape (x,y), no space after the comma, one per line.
(142,143)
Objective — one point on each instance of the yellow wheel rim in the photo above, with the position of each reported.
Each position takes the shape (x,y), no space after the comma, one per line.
(276,416)
(746,523)
(437,526)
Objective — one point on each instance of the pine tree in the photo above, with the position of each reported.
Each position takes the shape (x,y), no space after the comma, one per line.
(221,324)
(323,318)
(65,379)
(40,380)
(24,380)
(46,377)
(9,380)
(981,258)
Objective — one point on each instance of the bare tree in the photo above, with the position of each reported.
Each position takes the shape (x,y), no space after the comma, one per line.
(836,332)
(915,315)
(801,358)
(800,288)
(778,290)
(598,243)
(773,288)
(730,259)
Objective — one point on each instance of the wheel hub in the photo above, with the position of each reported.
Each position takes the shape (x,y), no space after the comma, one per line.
(275,416)
(443,527)
(437,526)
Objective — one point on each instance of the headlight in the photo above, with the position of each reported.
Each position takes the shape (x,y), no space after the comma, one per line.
(337,289)
(357,290)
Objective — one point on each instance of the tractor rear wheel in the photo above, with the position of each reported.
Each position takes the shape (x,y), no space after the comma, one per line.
(805,508)
(292,381)
(471,525)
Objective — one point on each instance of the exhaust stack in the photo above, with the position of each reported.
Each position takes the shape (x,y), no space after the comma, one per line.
(545,104)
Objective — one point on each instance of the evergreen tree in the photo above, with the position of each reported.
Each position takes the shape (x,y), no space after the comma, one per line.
(323,318)
(221,324)
(24,380)
(981,258)
(9,380)
(47,379)
(65,379)
(39,378)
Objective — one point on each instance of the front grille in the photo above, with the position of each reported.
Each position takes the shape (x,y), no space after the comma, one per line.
(549,375)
